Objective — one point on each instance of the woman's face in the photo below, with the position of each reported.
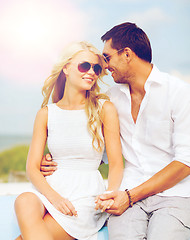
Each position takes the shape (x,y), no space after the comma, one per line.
(79,76)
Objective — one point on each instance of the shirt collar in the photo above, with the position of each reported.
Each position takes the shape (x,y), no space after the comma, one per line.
(154,77)
(124,88)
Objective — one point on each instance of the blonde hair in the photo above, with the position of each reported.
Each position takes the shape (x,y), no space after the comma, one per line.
(54,86)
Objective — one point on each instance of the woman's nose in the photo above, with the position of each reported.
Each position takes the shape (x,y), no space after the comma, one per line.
(91,70)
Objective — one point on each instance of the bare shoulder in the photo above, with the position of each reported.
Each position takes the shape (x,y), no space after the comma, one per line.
(109,111)
(42,114)
(108,108)
(110,118)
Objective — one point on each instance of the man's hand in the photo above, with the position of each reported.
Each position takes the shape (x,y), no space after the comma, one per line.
(103,205)
(121,202)
(47,166)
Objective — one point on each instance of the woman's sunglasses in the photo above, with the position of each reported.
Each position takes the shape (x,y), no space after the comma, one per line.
(85,67)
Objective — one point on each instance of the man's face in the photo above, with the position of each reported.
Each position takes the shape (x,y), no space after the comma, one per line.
(115,62)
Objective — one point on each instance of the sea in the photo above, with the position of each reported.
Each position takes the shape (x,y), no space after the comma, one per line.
(9,141)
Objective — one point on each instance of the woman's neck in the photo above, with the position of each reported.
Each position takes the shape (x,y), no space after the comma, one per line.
(72,100)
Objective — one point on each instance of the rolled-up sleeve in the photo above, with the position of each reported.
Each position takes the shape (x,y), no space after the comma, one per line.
(181,131)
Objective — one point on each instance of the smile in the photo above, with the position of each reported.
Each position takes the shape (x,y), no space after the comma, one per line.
(89,79)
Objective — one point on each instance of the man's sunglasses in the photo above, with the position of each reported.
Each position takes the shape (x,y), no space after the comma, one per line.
(108,57)
(86,66)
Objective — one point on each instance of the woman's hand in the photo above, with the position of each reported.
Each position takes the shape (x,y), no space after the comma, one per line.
(63,205)
(103,204)
(120,199)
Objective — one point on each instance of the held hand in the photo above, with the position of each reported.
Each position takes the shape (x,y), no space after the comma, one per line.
(63,205)
(121,202)
(103,205)
(47,166)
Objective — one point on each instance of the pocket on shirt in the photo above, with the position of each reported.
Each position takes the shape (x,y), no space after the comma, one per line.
(159,134)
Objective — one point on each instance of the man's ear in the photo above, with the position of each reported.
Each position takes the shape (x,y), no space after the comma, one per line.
(128,53)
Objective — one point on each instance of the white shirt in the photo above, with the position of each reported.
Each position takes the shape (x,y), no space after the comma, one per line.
(161,133)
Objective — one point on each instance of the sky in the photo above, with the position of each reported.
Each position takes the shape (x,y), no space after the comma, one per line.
(33,33)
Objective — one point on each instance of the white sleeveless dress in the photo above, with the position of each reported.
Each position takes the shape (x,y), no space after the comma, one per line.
(77,177)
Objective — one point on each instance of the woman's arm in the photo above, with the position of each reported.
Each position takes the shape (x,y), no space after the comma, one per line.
(36,151)
(33,164)
(111,132)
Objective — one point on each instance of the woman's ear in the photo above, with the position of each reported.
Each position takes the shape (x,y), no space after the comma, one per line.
(65,69)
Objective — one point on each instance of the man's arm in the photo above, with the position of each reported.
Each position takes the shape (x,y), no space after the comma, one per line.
(163,180)
(168,177)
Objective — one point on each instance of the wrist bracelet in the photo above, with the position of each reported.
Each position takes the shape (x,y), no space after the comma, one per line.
(129,196)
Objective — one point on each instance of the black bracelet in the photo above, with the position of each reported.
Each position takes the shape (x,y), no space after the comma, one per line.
(129,196)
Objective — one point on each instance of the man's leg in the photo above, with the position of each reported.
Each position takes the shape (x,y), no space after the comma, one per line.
(171,219)
(131,225)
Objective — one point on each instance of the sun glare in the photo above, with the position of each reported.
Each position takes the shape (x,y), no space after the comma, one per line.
(30,31)
(24,25)
(34,32)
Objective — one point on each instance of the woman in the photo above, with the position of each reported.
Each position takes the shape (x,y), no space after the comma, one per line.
(76,125)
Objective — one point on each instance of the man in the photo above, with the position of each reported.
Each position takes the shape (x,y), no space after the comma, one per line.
(154,113)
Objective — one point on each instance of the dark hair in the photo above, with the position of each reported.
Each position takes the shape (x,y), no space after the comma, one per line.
(129,35)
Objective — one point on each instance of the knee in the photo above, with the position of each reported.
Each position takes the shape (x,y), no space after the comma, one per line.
(23,202)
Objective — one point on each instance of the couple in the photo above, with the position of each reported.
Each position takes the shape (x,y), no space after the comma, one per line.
(151,199)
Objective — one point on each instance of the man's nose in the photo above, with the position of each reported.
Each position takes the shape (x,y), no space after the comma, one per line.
(105,65)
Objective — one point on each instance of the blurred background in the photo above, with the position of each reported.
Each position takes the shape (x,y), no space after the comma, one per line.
(32,35)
